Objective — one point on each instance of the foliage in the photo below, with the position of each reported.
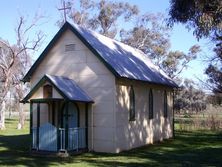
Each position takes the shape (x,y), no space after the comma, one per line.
(102,15)
(215,99)
(214,70)
(189,99)
(205,17)
(176,61)
(152,37)
(149,33)
(211,119)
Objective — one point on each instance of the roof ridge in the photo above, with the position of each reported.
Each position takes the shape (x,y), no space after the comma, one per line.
(131,49)
(114,40)
(61,76)
(122,60)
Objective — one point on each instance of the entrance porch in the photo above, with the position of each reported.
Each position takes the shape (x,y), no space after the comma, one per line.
(63,131)
(58,115)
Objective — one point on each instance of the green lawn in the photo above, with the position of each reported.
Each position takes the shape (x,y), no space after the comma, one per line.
(198,148)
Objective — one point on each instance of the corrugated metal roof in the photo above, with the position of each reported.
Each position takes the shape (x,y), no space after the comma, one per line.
(69,88)
(122,60)
(128,62)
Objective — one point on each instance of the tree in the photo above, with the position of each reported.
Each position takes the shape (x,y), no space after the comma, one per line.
(152,37)
(214,70)
(149,33)
(205,17)
(102,16)
(189,99)
(14,60)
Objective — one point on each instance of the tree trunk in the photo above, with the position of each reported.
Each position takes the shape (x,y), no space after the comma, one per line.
(2,116)
(21,123)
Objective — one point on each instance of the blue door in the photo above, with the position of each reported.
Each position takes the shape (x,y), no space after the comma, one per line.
(73,126)
(72,116)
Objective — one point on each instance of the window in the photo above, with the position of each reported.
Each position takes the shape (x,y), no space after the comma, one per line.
(47,91)
(150,104)
(132,114)
(70,47)
(165,105)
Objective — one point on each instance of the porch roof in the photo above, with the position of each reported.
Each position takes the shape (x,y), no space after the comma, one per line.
(67,88)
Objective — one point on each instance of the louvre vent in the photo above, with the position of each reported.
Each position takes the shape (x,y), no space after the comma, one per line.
(70,47)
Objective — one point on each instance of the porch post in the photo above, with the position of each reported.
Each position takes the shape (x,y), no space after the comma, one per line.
(58,126)
(30,124)
(66,125)
(53,113)
(38,124)
(86,124)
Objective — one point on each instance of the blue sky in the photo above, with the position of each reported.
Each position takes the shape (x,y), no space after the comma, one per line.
(181,39)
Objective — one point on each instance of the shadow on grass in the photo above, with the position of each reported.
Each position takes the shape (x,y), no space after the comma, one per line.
(188,149)
(15,151)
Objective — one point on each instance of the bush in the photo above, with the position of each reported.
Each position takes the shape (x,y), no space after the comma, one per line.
(211,120)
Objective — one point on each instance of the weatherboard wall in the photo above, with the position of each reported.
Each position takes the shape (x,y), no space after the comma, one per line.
(92,76)
(142,131)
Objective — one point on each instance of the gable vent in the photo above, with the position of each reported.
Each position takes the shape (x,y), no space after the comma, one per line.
(69,47)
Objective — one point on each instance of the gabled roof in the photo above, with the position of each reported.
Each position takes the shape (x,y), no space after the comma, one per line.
(122,60)
(67,88)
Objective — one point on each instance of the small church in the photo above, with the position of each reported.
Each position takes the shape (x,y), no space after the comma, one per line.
(92,93)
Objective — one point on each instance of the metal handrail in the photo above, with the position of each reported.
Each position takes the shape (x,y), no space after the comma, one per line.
(76,138)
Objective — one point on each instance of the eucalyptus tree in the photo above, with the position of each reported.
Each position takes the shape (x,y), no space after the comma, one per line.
(205,19)
(101,16)
(14,61)
(152,36)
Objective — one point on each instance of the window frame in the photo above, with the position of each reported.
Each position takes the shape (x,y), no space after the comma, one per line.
(132,106)
(150,104)
(165,105)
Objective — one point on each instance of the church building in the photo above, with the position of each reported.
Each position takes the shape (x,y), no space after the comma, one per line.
(92,93)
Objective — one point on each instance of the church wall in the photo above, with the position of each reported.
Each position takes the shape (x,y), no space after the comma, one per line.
(142,131)
(93,77)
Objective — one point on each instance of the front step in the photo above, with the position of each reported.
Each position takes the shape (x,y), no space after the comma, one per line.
(61,153)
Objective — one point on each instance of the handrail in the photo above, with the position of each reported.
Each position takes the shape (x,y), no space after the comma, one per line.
(76,138)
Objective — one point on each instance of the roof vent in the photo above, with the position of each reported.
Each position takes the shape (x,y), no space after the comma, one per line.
(69,47)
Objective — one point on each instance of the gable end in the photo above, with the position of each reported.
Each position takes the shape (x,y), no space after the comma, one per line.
(66,26)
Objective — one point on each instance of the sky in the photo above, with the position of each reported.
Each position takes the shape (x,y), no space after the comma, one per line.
(181,38)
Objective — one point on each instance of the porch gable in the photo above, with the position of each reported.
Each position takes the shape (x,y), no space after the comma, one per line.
(66,87)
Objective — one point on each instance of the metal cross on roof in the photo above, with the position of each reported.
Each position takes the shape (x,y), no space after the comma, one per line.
(64,8)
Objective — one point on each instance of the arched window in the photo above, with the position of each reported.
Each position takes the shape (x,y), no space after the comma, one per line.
(132,114)
(47,91)
(165,109)
(150,104)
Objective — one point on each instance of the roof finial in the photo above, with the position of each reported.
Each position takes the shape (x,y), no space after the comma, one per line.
(64,8)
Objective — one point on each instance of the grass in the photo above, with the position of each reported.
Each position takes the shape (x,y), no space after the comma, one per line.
(195,148)
(210,119)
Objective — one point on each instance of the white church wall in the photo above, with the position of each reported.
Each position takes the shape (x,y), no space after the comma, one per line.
(142,131)
(92,76)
